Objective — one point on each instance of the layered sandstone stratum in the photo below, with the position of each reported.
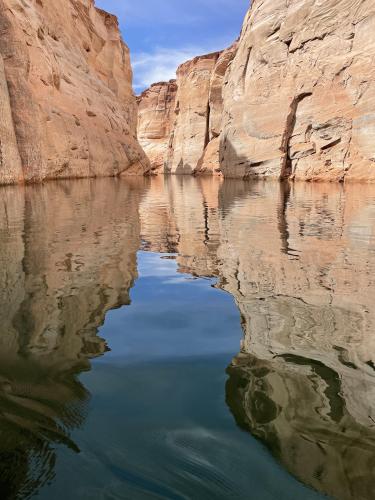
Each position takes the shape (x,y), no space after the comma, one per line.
(66,98)
(296,99)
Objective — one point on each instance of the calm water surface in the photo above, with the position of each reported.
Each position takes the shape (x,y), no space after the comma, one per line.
(187,339)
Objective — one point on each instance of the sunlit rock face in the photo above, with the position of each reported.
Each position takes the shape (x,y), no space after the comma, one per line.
(300,96)
(299,262)
(209,163)
(179,122)
(65,93)
(190,134)
(156,117)
(67,256)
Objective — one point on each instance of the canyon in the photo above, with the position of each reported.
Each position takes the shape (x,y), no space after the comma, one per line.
(66,99)
(293,98)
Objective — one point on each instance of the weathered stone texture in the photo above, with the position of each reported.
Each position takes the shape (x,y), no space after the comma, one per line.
(190,133)
(300,97)
(69,80)
(179,122)
(156,117)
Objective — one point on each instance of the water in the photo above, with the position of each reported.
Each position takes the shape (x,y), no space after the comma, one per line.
(178,338)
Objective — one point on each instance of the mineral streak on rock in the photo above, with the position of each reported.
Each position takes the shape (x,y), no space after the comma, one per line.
(66,98)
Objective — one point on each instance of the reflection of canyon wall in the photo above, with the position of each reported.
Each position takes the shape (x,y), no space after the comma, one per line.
(176,217)
(66,98)
(300,263)
(67,256)
(304,382)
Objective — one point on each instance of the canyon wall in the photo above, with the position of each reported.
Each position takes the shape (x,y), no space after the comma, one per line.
(179,123)
(295,98)
(66,94)
(156,112)
(300,98)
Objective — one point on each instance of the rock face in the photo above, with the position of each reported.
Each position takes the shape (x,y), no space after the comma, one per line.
(66,97)
(300,98)
(156,108)
(179,123)
(294,99)
(190,134)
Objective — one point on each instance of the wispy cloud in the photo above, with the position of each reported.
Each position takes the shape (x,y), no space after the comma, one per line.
(160,64)
(163,34)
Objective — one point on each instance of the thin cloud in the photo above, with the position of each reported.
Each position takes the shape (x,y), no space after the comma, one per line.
(161,64)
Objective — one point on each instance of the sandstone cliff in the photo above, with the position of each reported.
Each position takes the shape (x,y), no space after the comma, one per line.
(300,97)
(297,101)
(180,122)
(190,134)
(155,121)
(66,97)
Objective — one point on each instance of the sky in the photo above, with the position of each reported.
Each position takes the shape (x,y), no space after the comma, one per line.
(162,34)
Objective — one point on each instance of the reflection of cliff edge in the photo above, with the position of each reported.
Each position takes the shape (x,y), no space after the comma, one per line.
(68,255)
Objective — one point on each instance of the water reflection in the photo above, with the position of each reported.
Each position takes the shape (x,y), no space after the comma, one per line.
(300,263)
(298,260)
(67,256)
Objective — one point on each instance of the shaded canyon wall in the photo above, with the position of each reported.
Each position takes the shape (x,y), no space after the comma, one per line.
(66,100)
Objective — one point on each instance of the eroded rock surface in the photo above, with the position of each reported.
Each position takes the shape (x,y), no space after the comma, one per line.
(300,97)
(156,107)
(65,93)
(180,122)
(190,134)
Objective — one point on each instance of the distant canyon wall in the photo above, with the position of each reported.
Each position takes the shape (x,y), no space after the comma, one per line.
(294,99)
(66,98)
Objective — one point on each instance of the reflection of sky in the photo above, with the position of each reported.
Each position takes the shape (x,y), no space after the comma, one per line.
(158,425)
(171,315)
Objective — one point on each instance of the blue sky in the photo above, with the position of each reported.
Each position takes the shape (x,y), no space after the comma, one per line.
(162,34)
